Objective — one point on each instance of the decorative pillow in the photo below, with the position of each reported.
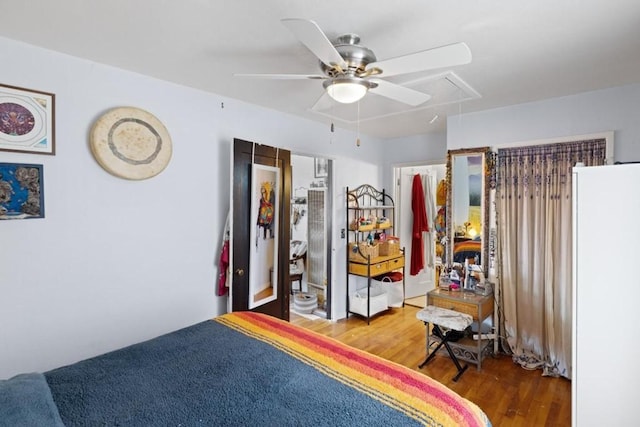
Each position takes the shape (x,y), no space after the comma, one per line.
(25,400)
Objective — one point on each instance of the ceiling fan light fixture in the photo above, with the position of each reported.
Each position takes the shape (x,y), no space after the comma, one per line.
(347,90)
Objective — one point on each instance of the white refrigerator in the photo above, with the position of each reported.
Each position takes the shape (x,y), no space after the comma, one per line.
(606,296)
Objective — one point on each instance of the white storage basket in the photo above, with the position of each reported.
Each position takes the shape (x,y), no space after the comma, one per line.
(305,302)
(377,297)
(394,290)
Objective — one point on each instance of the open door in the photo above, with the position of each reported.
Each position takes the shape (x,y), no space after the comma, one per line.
(261,194)
(418,285)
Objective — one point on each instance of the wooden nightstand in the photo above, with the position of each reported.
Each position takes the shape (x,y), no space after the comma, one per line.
(480,307)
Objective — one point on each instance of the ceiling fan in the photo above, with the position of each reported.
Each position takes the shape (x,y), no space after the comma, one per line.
(351,70)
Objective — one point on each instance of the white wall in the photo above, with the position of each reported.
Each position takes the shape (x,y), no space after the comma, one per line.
(115,261)
(409,151)
(614,109)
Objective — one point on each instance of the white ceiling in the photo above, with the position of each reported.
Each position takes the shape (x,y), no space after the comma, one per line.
(522,50)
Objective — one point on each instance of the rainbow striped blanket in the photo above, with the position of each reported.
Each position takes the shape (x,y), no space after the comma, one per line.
(249,369)
(410,393)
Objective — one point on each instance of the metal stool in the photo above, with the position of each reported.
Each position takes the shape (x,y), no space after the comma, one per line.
(295,271)
(454,321)
(298,251)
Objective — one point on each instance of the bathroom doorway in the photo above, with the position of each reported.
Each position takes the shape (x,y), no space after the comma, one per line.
(311,230)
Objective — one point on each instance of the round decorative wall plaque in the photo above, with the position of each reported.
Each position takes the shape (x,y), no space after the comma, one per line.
(131,143)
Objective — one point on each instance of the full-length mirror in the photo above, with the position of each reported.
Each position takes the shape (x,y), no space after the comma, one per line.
(468,206)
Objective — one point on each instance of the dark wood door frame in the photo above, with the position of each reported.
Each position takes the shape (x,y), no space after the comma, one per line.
(244,154)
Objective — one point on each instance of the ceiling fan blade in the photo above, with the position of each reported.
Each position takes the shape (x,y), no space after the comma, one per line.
(439,57)
(283,76)
(399,93)
(310,34)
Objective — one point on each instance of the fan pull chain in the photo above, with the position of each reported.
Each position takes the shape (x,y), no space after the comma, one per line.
(331,133)
(333,104)
(358,127)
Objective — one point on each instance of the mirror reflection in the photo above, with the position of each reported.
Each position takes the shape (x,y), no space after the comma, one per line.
(467,209)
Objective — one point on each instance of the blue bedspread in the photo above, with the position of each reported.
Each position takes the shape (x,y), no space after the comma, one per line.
(195,377)
(25,401)
(249,369)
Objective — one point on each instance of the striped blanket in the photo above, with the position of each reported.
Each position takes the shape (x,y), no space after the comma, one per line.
(415,395)
(249,369)
(466,249)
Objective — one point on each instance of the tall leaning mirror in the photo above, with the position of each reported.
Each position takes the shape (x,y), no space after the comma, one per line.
(468,206)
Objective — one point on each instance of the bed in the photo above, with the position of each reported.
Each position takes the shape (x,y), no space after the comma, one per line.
(240,368)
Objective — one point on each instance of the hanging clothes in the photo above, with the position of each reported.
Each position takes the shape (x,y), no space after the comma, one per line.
(420,225)
(223,262)
(428,182)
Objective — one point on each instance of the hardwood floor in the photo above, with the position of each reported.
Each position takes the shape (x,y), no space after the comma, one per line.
(507,393)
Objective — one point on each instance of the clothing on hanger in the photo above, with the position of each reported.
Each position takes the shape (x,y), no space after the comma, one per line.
(420,225)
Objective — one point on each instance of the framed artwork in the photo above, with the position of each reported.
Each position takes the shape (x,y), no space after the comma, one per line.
(263,259)
(321,167)
(21,191)
(27,120)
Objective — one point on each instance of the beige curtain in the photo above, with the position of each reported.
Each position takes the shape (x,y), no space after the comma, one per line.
(533,211)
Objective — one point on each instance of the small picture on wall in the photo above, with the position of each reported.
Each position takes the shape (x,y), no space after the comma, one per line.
(21,191)
(26,120)
(321,167)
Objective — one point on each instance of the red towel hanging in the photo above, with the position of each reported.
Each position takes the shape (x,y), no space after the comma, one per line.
(420,225)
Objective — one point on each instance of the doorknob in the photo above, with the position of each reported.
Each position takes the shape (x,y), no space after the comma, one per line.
(240,272)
